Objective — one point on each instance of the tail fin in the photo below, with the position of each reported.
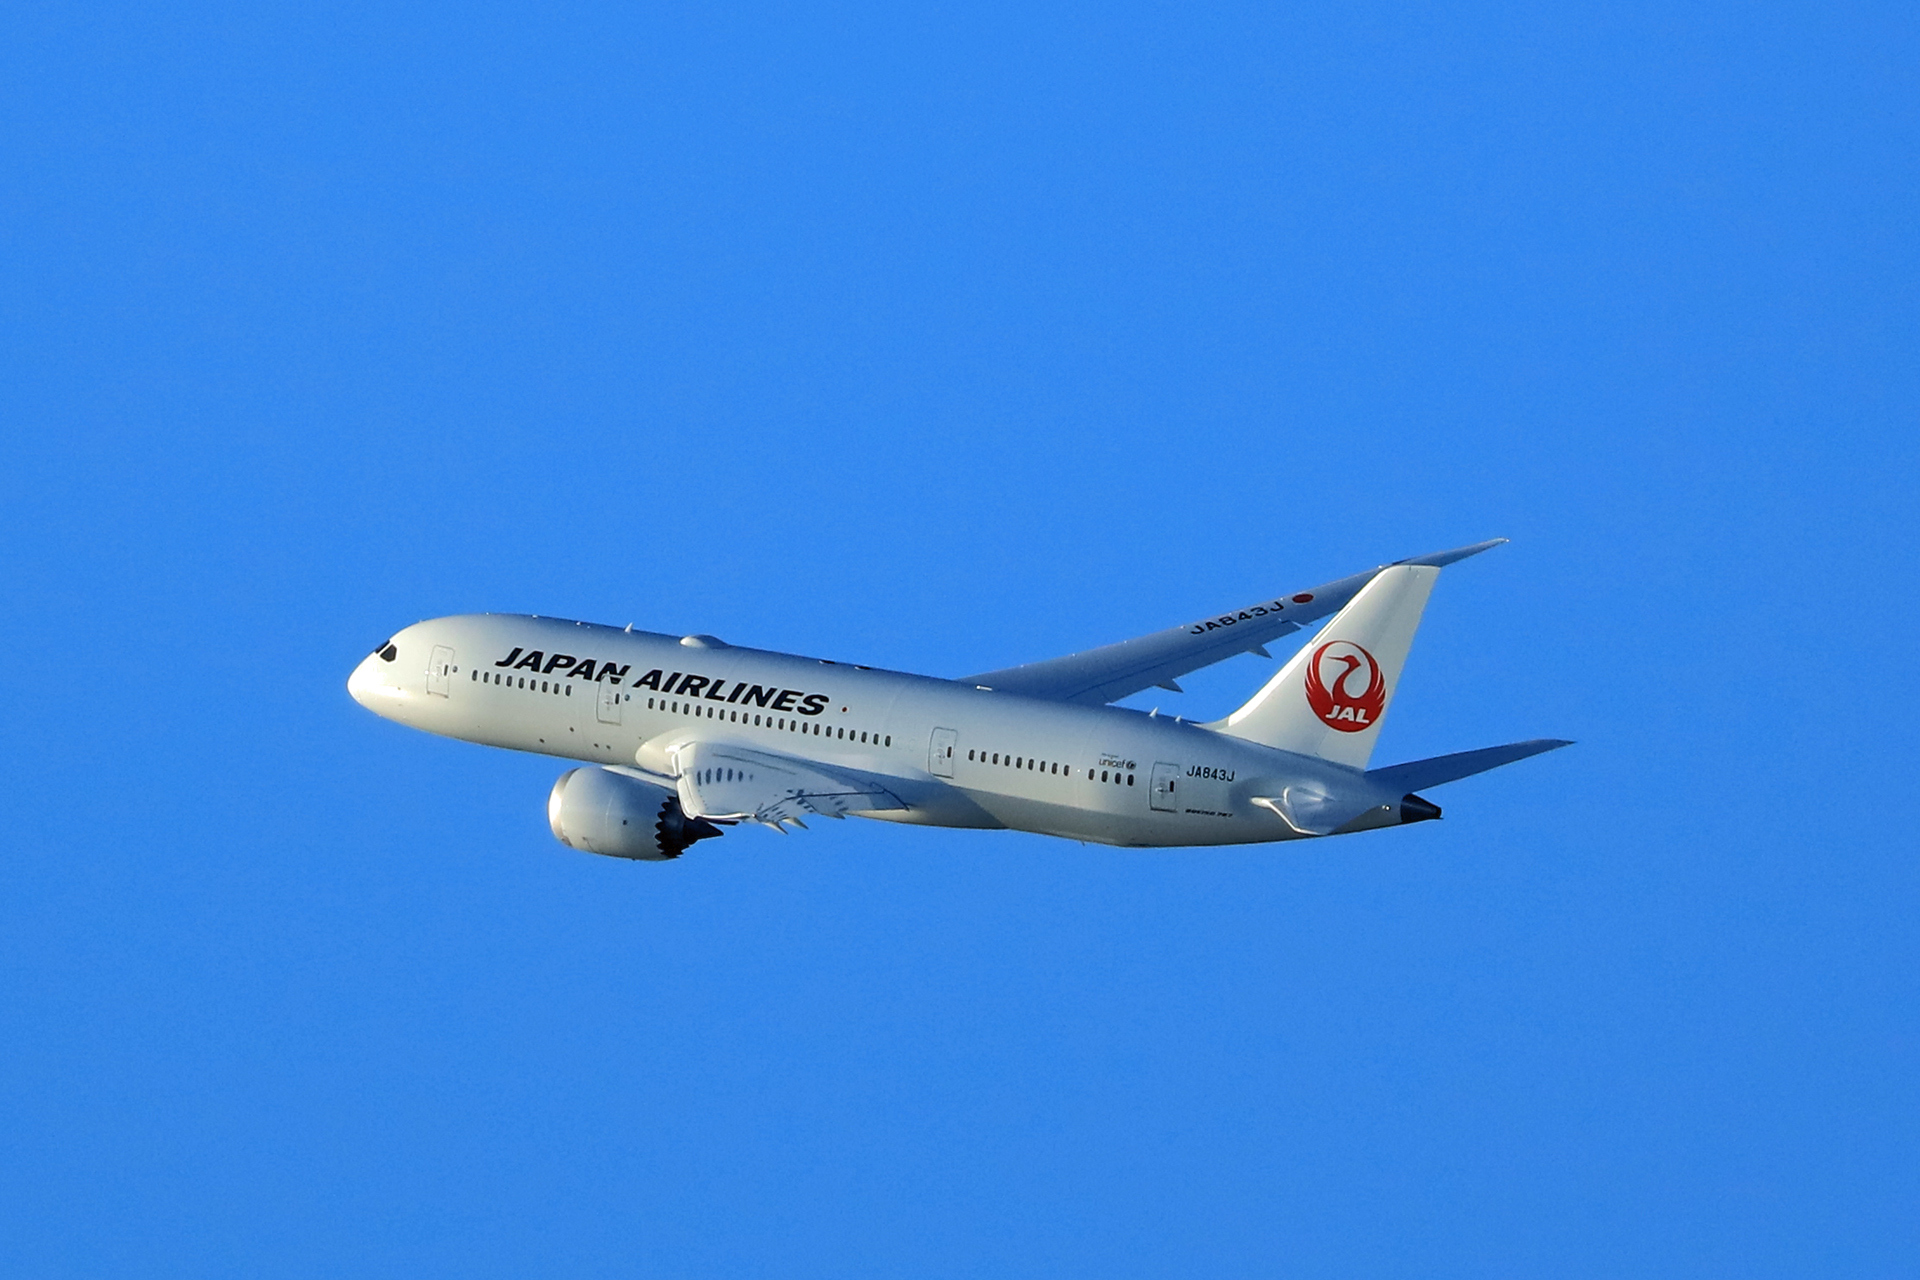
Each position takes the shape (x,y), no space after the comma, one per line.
(1331,698)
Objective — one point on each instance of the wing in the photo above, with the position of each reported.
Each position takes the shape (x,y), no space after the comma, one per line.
(737,784)
(1114,671)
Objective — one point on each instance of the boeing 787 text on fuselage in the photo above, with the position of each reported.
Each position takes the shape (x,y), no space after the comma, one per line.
(688,735)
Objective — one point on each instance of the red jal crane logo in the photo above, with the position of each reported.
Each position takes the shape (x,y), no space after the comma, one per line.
(1339,703)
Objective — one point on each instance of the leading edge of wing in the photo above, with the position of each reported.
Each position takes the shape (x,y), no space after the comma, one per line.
(1111,672)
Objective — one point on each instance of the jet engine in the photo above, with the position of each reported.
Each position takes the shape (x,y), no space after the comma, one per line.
(600,811)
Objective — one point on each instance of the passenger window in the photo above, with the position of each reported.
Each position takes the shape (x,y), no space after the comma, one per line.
(1103,775)
(1129,779)
(889,741)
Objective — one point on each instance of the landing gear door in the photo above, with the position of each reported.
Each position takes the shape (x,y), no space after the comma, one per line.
(1165,778)
(940,752)
(440,672)
(609,703)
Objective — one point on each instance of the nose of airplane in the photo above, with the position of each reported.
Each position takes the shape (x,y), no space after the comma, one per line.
(363,681)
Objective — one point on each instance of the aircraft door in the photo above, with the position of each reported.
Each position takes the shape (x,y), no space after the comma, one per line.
(1164,778)
(940,752)
(440,672)
(609,703)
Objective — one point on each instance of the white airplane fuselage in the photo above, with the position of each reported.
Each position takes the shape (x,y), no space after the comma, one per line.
(954,754)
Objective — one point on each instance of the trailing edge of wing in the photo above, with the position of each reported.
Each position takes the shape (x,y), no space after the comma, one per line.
(739,784)
(1114,671)
(1418,775)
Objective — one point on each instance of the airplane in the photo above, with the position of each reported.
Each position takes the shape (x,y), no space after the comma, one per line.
(685,736)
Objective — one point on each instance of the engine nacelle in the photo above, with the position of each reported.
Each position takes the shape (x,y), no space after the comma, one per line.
(600,811)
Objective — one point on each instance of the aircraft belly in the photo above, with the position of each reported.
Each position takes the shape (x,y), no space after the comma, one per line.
(1131,830)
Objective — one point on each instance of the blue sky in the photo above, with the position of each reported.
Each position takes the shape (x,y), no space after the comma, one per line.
(946,338)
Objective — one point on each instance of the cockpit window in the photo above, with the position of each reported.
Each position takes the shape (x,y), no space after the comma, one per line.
(387,652)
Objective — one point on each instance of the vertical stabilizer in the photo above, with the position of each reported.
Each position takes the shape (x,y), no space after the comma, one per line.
(1330,699)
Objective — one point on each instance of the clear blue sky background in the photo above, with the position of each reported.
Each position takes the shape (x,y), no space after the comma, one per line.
(944,338)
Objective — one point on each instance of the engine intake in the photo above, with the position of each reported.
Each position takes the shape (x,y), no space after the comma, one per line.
(621,816)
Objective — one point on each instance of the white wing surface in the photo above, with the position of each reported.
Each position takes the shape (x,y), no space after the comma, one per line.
(738,784)
(1115,671)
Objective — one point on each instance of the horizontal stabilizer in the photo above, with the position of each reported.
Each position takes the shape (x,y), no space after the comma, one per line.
(1418,775)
